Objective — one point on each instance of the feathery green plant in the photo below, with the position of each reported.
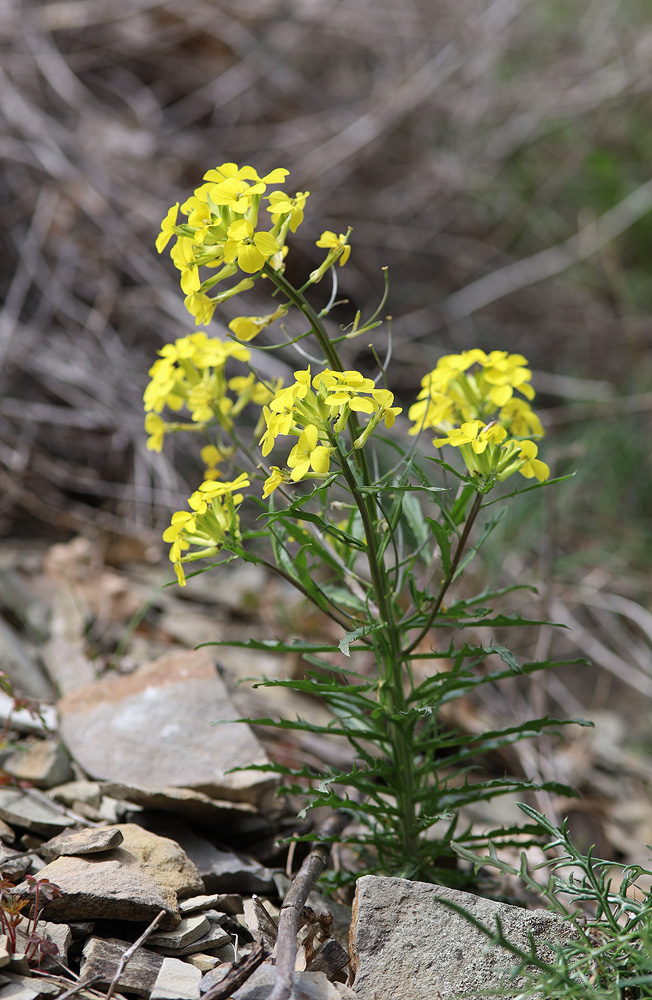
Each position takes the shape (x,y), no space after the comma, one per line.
(374,531)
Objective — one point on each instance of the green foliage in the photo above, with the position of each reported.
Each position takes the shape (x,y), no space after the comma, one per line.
(366,529)
(611,956)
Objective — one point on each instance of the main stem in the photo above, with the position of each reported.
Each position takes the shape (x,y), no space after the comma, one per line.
(391,693)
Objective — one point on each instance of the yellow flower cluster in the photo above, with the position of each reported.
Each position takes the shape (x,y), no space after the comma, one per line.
(210,524)
(190,373)
(469,400)
(317,410)
(222,232)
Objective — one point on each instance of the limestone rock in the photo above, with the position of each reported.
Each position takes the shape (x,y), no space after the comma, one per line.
(176,980)
(163,859)
(407,945)
(19,808)
(79,842)
(88,792)
(189,930)
(194,904)
(42,765)
(214,814)
(102,955)
(94,888)
(153,727)
(307,986)
(24,671)
(13,864)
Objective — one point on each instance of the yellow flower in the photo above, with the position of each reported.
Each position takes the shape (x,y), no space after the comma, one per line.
(286,398)
(212,456)
(308,454)
(156,428)
(281,204)
(248,327)
(533,467)
(277,423)
(273,481)
(520,418)
(338,248)
(250,249)
(457,436)
(384,398)
(201,307)
(168,228)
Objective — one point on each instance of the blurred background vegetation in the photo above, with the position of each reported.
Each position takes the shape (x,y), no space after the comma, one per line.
(494,153)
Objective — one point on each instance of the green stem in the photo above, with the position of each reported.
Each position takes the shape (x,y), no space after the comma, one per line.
(461,545)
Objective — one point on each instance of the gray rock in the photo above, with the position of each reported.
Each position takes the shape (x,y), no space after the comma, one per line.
(94,888)
(176,981)
(43,765)
(161,858)
(153,727)
(197,903)
(19,808)
(102,955)
(5,953)
(88,792)
(214,939)
(15,987)
(66,664)
(216,815)
(43,721)
(78,842)
(407,945)
(24,671)
(188,931)
(13,864)
(307,986)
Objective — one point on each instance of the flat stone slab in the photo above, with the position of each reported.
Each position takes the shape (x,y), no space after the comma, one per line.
(408,945)
(42,765)
(76,842)
(176,980)
(307,986)
(153,727)
(102,955)
(18,808)
(94,888)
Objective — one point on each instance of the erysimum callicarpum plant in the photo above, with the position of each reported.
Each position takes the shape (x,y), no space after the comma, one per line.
(372,529)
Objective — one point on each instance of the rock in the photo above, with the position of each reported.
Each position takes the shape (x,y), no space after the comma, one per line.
(307,986)
(23,604)
(42,721)
(407,945)
(218,816)
(94,888)
(205,963)
(214,939)
(176,981)
(188,931)
(88,792)
(78,842)
(163,859)
(13,864)
(221,871)
(60,935)
(196,903)
(153,727)
(18,987)
(25,673)
(19,808)
(43,765)
(67,665)
(5,953)
(102,955)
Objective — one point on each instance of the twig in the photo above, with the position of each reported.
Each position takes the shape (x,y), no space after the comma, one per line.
(129,953)
(547,263)
(81,984)
(294,902)
(238,974)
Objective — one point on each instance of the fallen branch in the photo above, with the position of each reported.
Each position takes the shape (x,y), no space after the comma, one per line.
(294,902)
(238,975)
(131,950)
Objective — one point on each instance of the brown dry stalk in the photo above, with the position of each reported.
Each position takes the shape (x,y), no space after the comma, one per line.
(295,900)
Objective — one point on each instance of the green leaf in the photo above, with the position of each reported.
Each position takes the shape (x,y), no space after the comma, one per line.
(442,535)
(345,643)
